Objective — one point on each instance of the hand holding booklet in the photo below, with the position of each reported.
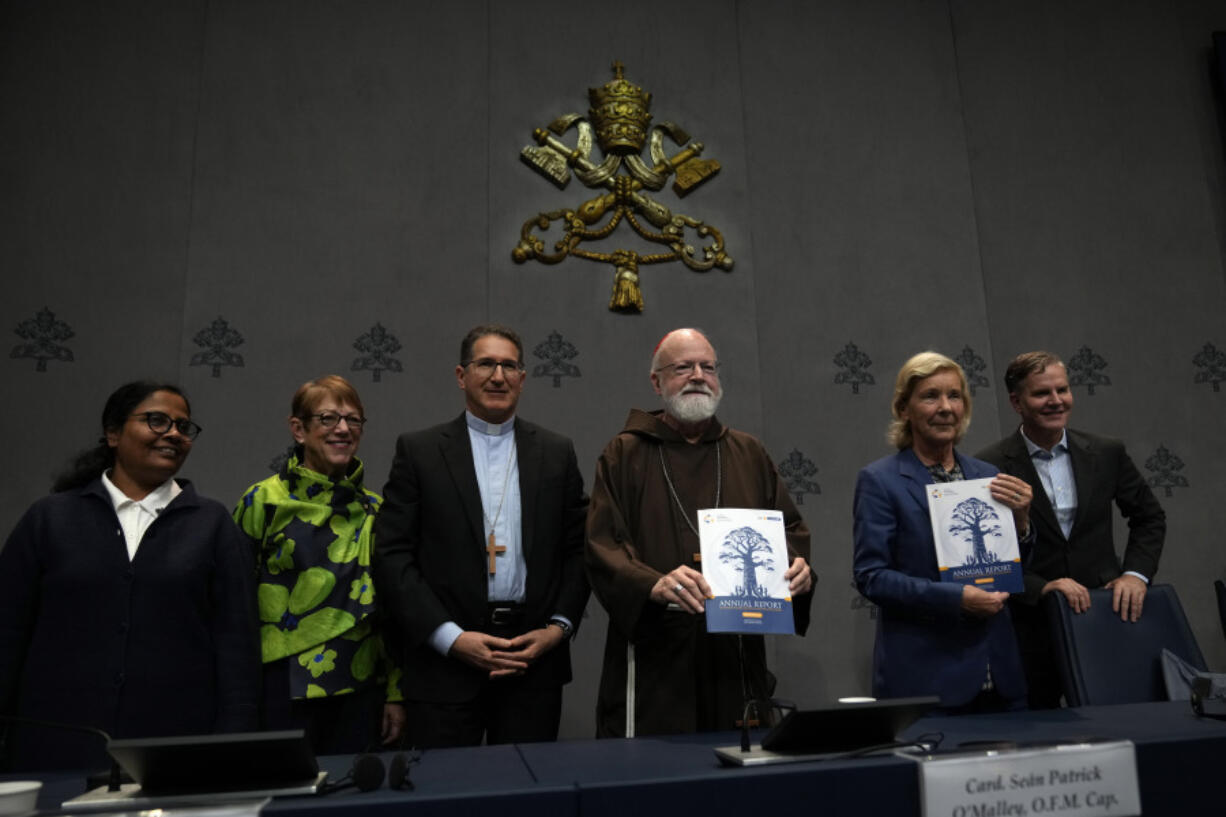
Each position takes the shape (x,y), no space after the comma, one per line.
(976,541)
(744,557)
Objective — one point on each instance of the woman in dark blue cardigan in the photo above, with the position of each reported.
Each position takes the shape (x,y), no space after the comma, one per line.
(126,599)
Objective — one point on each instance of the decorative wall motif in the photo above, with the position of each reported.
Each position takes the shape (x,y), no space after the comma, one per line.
(974,366)
(217,339)
(796,469)
(1165,466)
(1212,366)
(854,364)
(557,354)
(377,347)
(1086,369)
(620,120)
(43,334)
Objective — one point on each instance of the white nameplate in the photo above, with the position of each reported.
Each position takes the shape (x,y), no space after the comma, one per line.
(1081,780)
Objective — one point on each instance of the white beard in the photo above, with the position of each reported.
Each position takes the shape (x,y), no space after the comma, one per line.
(692,407)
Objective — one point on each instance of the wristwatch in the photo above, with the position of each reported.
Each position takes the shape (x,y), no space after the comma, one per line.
(566,628)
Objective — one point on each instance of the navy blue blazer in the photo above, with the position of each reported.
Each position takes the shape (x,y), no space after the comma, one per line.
(925,644)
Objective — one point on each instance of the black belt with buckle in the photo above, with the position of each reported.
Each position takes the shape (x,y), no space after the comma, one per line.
(504,614)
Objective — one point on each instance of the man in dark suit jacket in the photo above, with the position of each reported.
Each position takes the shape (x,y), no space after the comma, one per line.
(479,560)
(1075,476)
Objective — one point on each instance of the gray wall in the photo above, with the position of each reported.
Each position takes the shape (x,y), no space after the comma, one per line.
(896,175)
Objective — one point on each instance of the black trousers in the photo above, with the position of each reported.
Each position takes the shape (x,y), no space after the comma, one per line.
(338,725)
(505,710)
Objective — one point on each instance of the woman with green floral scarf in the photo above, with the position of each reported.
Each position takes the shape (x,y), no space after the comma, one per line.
(325,666)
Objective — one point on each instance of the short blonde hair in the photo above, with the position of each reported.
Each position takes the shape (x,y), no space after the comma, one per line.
(920,367)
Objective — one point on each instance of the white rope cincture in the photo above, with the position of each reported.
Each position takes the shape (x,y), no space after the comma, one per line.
(629,689)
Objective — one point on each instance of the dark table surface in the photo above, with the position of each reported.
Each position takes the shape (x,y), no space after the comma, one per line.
(1180,760)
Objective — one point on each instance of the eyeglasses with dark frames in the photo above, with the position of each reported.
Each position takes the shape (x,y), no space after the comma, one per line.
(159,422)
(485,367)
(330,419)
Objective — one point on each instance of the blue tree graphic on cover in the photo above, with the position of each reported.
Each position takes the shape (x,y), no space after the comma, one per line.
(974,521)
(747,551)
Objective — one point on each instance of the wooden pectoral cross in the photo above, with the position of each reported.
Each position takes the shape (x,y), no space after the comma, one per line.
(493,550)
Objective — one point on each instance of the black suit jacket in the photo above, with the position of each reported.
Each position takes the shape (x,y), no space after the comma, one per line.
(1104,473)
(430,562)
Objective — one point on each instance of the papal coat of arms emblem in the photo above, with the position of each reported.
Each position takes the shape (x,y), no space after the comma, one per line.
(619,120)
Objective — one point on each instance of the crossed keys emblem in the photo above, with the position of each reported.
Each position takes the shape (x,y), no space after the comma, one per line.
(619,121)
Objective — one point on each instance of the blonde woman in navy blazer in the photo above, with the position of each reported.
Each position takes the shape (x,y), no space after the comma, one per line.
(933,638)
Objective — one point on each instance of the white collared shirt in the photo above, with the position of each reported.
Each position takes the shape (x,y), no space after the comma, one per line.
(136,515)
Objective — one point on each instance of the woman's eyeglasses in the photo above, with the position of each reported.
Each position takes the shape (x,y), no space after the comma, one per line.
(159,423)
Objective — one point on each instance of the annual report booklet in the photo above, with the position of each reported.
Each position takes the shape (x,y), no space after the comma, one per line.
(744,557)
(976,541)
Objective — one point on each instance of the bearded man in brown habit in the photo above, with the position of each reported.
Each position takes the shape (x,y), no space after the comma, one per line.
(663,672)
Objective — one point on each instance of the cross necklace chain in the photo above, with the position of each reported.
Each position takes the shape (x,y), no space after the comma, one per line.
(492,549)
(719,484)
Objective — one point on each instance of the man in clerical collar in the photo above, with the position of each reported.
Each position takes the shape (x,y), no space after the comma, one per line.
(1075,476)
(663,673)
(479,560)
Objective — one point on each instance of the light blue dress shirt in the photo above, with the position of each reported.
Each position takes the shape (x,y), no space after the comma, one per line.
(497,468)
(1055,469)
(494,458)
(496,461)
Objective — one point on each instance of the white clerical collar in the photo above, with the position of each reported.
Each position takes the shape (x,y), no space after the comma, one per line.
(492,429)
(153,502)
(1032,446)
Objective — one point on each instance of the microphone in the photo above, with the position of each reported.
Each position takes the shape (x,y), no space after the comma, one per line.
(746,745)
(1204,703)
(398,771)
(365,775)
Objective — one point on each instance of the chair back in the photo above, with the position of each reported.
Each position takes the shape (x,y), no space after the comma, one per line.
(1219,587)
(1103,660)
